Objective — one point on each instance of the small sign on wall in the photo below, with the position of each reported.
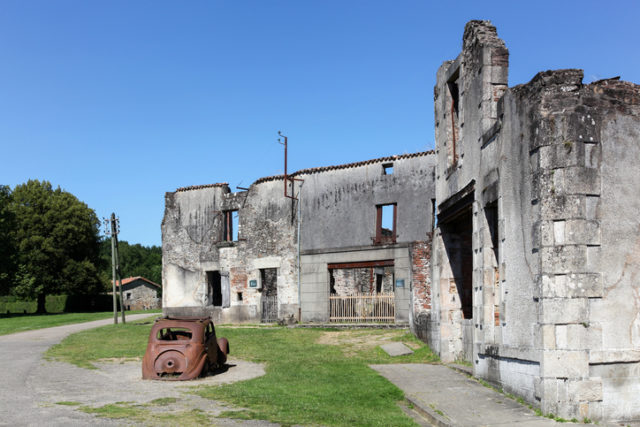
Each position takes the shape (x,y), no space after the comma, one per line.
(253,283)
(399,283)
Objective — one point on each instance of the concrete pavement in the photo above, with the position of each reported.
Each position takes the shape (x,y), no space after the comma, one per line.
(446,397)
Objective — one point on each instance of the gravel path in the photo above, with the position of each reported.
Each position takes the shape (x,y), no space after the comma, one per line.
(31,387)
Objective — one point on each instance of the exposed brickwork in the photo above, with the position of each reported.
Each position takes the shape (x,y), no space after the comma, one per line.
(421,276)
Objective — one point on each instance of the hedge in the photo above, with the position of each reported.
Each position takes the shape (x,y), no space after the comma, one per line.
(58,304)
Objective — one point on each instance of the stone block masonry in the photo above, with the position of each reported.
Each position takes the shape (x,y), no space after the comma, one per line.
(546,173)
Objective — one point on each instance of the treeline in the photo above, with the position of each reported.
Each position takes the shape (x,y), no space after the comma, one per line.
(135,260)
(50,245)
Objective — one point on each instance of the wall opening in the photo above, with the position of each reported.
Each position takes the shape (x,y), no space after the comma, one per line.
(491,214)
(457,238)
(367,277)
(214,288)
(386,219)
(230,226)
(387,169)
(269,299)
(454,126)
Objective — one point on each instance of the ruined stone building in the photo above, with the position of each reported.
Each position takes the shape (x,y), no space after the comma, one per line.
(363,228)
(536,254)
(531,271)
(139,293)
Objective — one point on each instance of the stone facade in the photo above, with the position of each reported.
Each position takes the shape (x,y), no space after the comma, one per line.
(536,255)
(345,240)
(139,293)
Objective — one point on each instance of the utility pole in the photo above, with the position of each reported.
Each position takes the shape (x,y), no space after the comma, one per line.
(111,228)
(292,179)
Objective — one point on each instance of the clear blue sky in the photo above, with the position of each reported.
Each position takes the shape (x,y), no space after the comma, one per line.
(118,102)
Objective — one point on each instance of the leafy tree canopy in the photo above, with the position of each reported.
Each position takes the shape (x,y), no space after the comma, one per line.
(57,242)
(7,240)
(135,260)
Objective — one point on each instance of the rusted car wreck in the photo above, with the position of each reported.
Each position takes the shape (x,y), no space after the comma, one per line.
(183,348)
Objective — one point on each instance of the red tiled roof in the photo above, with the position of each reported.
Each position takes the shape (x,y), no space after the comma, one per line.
(133,279)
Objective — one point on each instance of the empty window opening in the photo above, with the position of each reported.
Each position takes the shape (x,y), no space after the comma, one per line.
(214,288)
(434,217)
(454,107)
(491,212)
(230,226)
(368,277)
(239,296)
(332,283)
(379,279)
(387,169)
(386,223)
(128,295)
(174,334)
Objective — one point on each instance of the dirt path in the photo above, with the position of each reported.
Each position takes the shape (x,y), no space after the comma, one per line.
(32,388)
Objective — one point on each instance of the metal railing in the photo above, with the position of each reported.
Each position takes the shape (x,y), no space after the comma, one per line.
(362,308)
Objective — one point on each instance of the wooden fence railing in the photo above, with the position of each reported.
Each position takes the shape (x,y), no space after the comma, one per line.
(361,308)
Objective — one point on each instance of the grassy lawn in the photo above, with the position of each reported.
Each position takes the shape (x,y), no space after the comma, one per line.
(313,376)
(20,323)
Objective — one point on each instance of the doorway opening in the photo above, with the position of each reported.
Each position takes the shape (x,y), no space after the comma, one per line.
(269,299)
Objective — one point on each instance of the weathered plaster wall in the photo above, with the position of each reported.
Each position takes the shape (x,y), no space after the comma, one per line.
(339,223)
(339,206)
(193,244)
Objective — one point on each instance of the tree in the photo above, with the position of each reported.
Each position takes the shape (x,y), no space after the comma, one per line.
(7,240)
(135,260)
(57,243)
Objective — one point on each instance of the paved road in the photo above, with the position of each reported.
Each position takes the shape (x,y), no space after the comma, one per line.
(21,356)
(30,387)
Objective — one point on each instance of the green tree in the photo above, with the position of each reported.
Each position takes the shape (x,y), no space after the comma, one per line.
(135,260)
(7,241)
(57,243)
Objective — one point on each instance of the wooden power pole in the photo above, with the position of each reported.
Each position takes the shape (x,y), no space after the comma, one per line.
(112,227)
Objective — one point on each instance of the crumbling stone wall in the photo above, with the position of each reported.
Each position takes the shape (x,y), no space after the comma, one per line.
(339,221)
(547,173)
(349,281)
(194,243)
(140,297)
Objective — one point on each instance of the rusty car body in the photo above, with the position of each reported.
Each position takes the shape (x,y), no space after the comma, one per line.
(183,348)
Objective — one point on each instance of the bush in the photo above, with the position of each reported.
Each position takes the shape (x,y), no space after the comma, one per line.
(14,305)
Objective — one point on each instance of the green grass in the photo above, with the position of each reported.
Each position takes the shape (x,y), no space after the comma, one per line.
(305,382)
(21,323)
(121,341)
(310,383)
(141,415)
